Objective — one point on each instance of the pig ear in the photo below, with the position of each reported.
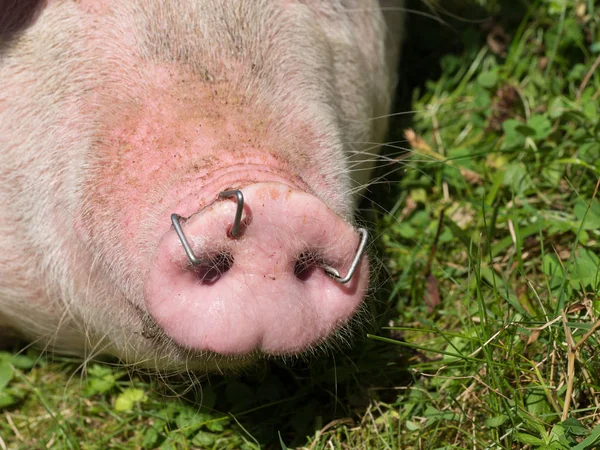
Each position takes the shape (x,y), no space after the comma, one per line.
(17,15)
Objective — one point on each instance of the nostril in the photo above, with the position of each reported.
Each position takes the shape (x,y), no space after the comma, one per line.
(306,264)
(214,268)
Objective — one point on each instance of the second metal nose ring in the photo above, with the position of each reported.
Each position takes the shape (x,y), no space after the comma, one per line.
(335,274)
(235,229)
(234,233)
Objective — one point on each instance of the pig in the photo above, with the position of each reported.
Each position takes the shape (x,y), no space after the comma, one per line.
(179,179)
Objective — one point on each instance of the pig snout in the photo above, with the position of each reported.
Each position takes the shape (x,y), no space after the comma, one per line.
(271,288)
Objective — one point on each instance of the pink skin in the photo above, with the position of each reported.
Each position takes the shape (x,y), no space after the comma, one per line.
(116,114)
(259,303)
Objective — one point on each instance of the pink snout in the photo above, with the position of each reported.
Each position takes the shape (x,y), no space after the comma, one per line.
(264,290)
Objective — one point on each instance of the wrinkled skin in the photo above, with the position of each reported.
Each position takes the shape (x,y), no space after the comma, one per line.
(114,115)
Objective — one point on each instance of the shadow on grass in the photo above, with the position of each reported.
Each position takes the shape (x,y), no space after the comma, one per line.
(296,400)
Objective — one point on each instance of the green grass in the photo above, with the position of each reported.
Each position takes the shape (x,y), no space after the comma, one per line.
(487,315)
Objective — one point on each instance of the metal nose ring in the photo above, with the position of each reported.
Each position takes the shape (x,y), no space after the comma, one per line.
(235,228)
(335,274)
(235,231)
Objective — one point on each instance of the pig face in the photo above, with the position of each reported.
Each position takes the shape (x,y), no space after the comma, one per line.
(122,121)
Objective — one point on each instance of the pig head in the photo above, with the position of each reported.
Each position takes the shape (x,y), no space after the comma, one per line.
(123,120)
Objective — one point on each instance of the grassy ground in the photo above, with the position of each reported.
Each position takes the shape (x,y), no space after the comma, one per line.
(489,298)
